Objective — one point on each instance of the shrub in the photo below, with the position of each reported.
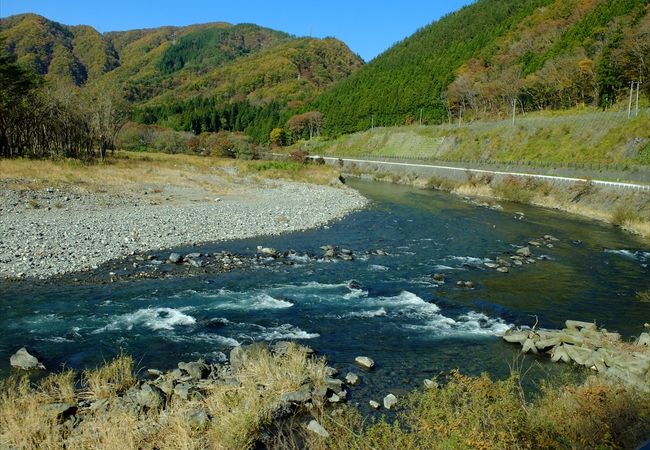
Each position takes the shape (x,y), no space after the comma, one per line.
(299,156)
(516,189)
(623,215)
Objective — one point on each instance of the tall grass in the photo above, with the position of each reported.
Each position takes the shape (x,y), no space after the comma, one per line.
(237,411)
(479,413)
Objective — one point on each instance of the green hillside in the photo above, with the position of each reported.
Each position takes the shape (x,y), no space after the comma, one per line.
(182,76)
(478,61)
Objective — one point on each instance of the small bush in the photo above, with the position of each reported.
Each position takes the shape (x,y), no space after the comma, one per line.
(517,189)
(112,379)
(623,215)
(299,156)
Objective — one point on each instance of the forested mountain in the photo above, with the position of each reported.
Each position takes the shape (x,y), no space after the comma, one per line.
(478,61)
(198,78)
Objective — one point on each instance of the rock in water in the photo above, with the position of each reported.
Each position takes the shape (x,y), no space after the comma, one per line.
(23,360)
(525,252)
(373,404)
(175,258)
(389,401)
(364,361)
(267,251)
(352,379)
(318,429)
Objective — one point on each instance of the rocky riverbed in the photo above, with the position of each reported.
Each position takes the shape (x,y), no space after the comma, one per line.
(52,231)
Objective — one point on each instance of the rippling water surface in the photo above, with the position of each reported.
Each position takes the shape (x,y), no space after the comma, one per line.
(393,312)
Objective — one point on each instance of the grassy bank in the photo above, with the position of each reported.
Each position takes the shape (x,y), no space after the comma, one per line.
(89,410)
(84,411)
(572,137)
(132,169)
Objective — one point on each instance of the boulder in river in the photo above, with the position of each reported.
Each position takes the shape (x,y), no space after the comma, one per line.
(364,362)
(267,251)
(389,401)
(175,258)
(524,251)
(352,379)
(22,359)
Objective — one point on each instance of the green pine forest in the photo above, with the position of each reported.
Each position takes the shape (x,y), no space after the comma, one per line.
(476,63)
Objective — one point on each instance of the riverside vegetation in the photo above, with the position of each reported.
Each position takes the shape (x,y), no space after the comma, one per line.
(590,144)
(277,397)
(221,90)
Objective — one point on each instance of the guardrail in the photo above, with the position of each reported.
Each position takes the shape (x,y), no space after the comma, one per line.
(611,184)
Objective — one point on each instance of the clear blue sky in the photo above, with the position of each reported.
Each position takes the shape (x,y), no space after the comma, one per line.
(367,27)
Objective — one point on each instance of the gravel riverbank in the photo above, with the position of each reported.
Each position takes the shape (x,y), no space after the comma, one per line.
(51,231)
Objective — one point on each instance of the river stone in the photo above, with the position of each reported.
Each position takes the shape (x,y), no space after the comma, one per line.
(318,429)
(267,251)
(302,395)
(196,263)
(334,384)
(154,373)
(559,354)
(389,401)
(150,396)
(196,369)
(430,384)
(182,391)
(352,379)
(644,339)
(364,362)
(373,404)
(319,393)
(515,337)
(334,398)
(577,325)
(240,354)
(503,269)
(524,251)
(60,411)
(175,258)
(167,386)
(529,346)
(331,371)
(197,418)
(22,359)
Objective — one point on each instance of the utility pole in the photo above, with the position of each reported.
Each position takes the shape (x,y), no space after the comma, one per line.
(636,109)
(421,115)
(629,103)
(514,110)
(372,122)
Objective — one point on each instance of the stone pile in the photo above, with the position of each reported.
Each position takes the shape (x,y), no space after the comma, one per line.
(584,344)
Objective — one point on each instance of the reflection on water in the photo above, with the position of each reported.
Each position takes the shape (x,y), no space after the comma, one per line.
(394,312)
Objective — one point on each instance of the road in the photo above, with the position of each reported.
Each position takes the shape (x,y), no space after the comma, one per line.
(611,184)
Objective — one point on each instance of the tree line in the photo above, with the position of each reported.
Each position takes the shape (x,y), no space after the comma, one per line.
(37,120)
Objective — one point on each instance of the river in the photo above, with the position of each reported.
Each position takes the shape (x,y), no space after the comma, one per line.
(393,312)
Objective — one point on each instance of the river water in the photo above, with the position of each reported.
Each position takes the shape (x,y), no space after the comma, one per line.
(393,312)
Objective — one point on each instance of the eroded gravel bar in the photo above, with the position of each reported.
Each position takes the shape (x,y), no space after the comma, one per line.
(81,233)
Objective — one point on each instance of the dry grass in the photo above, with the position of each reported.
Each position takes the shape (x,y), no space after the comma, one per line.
(110,380)
(135,172)
(238,410)
(478,413)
